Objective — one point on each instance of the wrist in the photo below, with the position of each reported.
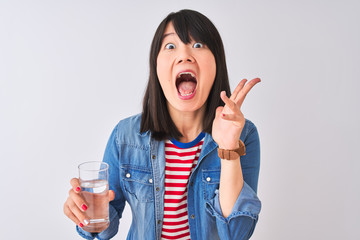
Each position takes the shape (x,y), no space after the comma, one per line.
(232,153)
(231,146)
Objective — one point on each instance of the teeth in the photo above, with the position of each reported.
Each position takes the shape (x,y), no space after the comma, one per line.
(186,73)
(186,94)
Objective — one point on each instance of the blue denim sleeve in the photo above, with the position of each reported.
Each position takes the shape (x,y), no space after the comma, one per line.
(241,222)
(116,206)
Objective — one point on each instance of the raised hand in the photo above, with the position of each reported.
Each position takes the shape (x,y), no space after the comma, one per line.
(229,120)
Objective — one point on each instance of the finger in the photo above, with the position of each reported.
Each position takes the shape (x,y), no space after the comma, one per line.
(238,89)
(244,91)
(219,111)
(111,195)
(233,117)
(72,216)
(78,200)
(78,213)
(229,103)
(75,184)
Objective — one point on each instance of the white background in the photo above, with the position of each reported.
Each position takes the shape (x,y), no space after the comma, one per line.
(70,70)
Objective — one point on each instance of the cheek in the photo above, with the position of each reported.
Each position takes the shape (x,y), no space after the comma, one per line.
(163,69)
(212,66)
(159,68)
(210,71)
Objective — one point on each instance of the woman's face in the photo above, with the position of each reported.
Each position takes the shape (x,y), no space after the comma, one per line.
(186,72)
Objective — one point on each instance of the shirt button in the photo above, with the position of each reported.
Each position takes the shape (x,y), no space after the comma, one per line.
(157,189)
(192,184)
(128,175)
(153,157)
(150,180)
(208,179)
(159,221)
(192,216)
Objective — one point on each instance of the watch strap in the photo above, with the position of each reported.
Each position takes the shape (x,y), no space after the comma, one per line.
(232,154)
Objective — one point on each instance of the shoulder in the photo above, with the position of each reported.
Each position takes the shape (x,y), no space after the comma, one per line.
(248,130)
(249,125)
(128,131)
(130,123)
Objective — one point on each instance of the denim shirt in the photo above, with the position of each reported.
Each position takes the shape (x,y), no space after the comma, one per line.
(137,176)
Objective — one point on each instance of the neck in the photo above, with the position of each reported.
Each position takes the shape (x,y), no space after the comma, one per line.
(190,124)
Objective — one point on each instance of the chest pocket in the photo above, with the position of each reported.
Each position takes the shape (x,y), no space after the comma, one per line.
(138,182)
(211,181)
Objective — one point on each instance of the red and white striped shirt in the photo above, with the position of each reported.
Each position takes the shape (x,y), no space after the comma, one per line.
(181,159)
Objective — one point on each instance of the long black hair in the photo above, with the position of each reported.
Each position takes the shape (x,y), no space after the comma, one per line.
(188,24)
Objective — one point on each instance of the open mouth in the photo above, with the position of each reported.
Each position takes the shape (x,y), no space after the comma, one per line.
(186,83)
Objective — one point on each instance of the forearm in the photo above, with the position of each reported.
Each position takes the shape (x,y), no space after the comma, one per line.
(231,183)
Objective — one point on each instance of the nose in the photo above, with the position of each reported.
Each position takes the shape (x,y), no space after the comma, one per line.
(185,55)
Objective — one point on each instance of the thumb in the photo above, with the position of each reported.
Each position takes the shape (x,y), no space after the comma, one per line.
(218,111)
(111,195)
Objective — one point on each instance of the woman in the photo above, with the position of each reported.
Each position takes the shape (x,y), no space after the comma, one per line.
(178,163)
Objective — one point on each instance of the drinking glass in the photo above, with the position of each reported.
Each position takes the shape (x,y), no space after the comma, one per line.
(94,183)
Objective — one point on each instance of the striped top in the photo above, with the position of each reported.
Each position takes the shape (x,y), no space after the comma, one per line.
(181,159)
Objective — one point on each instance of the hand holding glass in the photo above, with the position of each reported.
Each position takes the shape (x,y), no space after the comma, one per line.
(94,183)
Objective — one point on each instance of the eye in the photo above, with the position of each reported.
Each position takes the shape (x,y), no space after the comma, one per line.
(170,46)
(198,45)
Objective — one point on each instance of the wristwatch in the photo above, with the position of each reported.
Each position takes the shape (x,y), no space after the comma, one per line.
(232,154)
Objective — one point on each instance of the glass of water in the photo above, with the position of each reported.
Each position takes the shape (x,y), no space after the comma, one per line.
(94,183)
